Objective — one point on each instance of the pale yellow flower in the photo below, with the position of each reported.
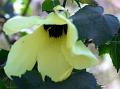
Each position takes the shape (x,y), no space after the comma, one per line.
(54,46)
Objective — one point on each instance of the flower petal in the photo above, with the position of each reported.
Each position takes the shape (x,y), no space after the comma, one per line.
(80,57)
(22,56)
(59,19)
(51,61)
(53,19)
(18,23)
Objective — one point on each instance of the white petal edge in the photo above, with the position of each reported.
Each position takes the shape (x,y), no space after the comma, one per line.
(80,57)
(18,23)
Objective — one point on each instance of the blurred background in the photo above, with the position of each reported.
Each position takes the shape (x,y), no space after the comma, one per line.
(105,73)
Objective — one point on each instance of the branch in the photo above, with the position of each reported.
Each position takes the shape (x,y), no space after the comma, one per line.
(26,8)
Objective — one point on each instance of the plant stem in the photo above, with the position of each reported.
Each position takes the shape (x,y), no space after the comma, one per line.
(64,3)
(7,38)
(26,8)
(78,3)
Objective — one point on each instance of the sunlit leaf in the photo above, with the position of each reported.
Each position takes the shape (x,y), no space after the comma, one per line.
(13,1)
(48,5)
(91,2)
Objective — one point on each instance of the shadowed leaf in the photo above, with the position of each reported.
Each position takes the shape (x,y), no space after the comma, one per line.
(93,24)
(115,51)
(78,80)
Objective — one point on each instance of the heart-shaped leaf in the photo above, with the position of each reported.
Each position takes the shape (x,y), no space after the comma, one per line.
(78,80)
(93,24)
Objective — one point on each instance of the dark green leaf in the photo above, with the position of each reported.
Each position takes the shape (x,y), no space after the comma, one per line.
(115,51)
(3,56)
(2,85)
(23,34)
(78,80)
(93,24)
(105,48)
(3,53)
(48,5)
(99,87)
(2,73)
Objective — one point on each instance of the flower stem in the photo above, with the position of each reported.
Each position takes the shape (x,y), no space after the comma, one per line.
(53,3)
(26,8)
(78,3)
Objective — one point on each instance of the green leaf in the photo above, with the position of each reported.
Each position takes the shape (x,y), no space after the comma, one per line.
(93,24)
(105,48)
(91,2)
(99,87)
(115,51)
(2,85)
(78,80)
(3,53)
(13,1)
(2,73)
(25,1)
(48,5)
(26,10)
(3,56)
(23,34)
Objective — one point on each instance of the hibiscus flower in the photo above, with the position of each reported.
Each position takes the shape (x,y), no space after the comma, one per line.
(54,45)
